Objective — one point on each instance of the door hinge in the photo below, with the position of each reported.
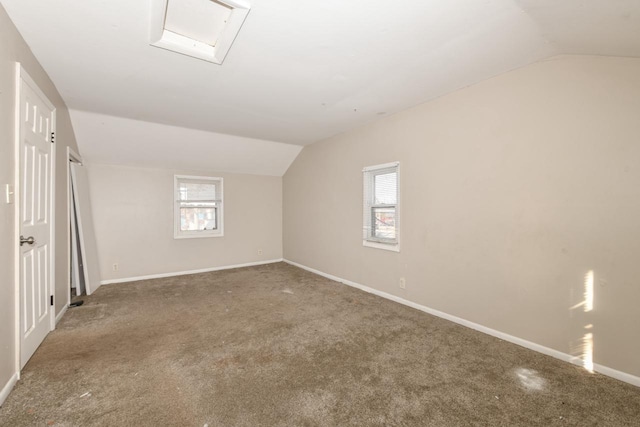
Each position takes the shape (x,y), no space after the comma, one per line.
(51,299)
(53,137)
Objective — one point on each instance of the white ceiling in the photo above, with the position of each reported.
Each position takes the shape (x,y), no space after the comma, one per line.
(121,141)
(301,71)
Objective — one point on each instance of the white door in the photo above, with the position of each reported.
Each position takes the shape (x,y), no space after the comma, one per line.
(77,274)
(88,246)
(35,179)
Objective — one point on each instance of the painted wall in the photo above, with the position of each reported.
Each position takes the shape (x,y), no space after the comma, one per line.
(512,191)
(133,216)
(13,49)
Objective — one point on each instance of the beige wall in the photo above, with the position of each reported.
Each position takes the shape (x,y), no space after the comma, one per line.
(133,216)
(13,49)
(511,191)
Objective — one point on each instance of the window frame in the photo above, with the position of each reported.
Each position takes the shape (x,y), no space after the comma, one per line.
(369,173)
(195,234)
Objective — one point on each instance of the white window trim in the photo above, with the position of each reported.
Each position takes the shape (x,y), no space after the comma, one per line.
(177,233)
(372,243)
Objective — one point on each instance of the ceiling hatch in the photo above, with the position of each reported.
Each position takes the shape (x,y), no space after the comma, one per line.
(203,29)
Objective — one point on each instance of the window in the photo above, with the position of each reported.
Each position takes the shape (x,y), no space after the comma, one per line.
(198,206)
(380,207)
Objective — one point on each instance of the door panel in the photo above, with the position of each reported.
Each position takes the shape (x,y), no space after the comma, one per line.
(27,290)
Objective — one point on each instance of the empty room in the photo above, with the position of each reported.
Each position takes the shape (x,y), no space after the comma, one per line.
(319,213)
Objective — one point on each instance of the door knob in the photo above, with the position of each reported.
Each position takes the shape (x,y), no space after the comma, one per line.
(29,240)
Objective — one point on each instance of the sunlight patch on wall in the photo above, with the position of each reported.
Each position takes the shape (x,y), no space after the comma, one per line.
(587,354)
(583,349)
(587,302)
(588,291)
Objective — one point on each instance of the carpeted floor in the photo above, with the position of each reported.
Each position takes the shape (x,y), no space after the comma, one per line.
(278,346)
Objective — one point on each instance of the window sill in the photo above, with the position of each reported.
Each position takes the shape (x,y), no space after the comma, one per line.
(197,236)
(393,247)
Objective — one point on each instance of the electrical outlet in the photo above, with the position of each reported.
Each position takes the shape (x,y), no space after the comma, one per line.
(259,251)
(115,267)
(403,283)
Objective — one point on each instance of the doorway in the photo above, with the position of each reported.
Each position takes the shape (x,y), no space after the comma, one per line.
(84,273)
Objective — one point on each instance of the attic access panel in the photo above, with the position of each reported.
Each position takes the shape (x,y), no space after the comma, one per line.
(203,29)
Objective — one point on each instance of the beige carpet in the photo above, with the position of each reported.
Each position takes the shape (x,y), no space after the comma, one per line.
(277,346)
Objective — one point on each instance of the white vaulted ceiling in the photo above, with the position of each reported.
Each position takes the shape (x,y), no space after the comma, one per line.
(301,71)
(157,145)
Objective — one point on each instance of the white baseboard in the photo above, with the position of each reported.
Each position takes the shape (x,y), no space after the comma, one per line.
(183,273)
(62,312)
(8,387)
(619,375)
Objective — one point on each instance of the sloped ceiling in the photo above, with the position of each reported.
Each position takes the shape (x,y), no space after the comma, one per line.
(299,71)
(122,141)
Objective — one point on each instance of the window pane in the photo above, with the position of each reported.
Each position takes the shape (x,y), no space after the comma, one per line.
(384,223)
(385,186)
(198,218)
(196,191)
